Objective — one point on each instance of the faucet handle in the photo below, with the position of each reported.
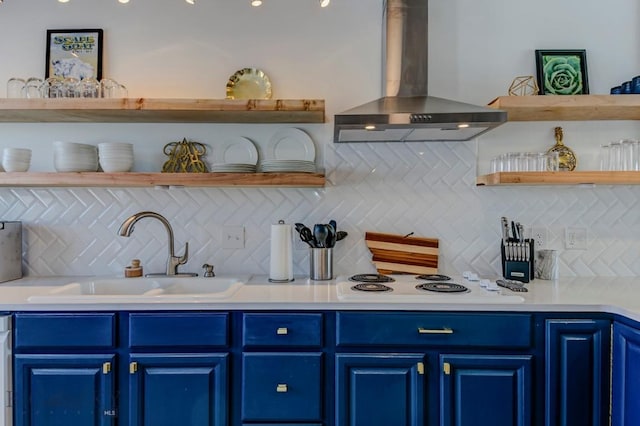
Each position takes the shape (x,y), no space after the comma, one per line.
(185,257)
(208,270)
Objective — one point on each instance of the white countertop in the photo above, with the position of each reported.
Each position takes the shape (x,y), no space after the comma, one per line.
(602,294)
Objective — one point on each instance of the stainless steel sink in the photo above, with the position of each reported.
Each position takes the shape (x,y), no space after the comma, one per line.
(143,289)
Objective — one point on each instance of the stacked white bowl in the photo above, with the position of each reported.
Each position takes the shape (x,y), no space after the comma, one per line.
(115,156)
(74,157)
(16,159)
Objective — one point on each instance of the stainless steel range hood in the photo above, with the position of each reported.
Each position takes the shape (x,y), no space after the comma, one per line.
(407,113)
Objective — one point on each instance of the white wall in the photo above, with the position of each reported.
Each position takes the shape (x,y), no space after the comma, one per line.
(166,48)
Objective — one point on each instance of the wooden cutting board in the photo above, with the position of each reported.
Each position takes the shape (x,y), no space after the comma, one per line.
(393,254)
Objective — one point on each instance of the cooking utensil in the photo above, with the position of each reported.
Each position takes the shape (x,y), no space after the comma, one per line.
(331,235)
(341,235)
(505,229)
(320,232)
(305,235)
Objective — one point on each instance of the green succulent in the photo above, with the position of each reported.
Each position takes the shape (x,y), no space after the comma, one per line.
(562,75)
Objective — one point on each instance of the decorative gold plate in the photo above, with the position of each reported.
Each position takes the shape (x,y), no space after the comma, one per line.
(249,83)
(567,160)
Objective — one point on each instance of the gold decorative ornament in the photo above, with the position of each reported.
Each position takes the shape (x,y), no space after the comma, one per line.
(525,85)
(184,157)
(567,160)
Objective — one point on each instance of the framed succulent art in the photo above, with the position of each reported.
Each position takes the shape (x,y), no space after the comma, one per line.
(562,72)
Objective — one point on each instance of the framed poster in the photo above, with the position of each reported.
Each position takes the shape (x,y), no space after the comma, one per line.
(562,72)
(74,53)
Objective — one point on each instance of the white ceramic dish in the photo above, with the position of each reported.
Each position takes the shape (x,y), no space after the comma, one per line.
(291,144)
(236,150)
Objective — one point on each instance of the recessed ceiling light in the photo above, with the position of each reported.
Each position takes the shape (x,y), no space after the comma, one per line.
(324,3)
(256,3)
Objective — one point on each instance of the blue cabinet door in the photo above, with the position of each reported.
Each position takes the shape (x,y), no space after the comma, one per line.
(485,390)
(282,387)
(178,389)
(577,372)
(64,390)
(625,410)
(380,389)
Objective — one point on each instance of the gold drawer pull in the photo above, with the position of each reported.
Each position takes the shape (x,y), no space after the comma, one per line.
(435,331)
(282,330)
(281,387)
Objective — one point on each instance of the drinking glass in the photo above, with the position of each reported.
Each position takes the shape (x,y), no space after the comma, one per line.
(15,86)
(604,157)
(32,88)
(87,88)
(108,88)
(553,161)
(629,155)
(615,155)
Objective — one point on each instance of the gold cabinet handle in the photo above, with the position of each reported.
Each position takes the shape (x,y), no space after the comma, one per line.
(106,368)
(133,367)
(435,330)
(281,387)
(282,330)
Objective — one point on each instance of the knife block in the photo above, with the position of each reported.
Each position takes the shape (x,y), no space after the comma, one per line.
(518,269)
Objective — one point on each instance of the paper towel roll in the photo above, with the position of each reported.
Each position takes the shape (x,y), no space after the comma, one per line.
(281,265)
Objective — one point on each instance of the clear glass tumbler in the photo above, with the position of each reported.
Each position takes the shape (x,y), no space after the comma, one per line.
(604,157)
(629,155)
(615,156)
(15,87)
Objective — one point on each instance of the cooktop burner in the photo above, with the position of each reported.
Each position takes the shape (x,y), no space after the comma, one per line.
(371,278)
(433,277)
(441,287)
(376,287)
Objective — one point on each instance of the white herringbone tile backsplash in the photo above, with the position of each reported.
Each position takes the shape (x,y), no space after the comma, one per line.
(425,188)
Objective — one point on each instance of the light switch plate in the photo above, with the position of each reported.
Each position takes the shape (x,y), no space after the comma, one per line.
(575,238)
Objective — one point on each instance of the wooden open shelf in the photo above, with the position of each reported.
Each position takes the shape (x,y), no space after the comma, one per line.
(135,179)
(569,108)
(559,178)
(141,110)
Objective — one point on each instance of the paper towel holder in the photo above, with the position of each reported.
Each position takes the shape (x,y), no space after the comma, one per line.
(286,280)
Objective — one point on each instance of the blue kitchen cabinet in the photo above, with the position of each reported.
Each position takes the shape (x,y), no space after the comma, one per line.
(64,367)
(283,368)
(625,410)
(380,389)
(577,372)
(178,389)
(491,390)
(64,390)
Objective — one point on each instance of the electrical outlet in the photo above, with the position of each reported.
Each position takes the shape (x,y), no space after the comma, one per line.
(541,236)
(233,237)
(575,238)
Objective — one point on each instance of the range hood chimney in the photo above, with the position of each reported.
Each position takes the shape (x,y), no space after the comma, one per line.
(406,113)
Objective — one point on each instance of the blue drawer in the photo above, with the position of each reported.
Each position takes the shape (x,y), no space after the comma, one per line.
(302,330)
(434,329)
(71,330)
(189,329)
(282,387)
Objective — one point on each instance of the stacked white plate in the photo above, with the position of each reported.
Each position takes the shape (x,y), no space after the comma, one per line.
(233,168)
(74,157)
(234,155)
(16,159)
(275,166)
(115,156)
(289,150)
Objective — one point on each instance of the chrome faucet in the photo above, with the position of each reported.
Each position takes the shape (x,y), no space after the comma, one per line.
(173,261)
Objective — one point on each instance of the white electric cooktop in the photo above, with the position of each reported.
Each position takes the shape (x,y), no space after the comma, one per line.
(433,288)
